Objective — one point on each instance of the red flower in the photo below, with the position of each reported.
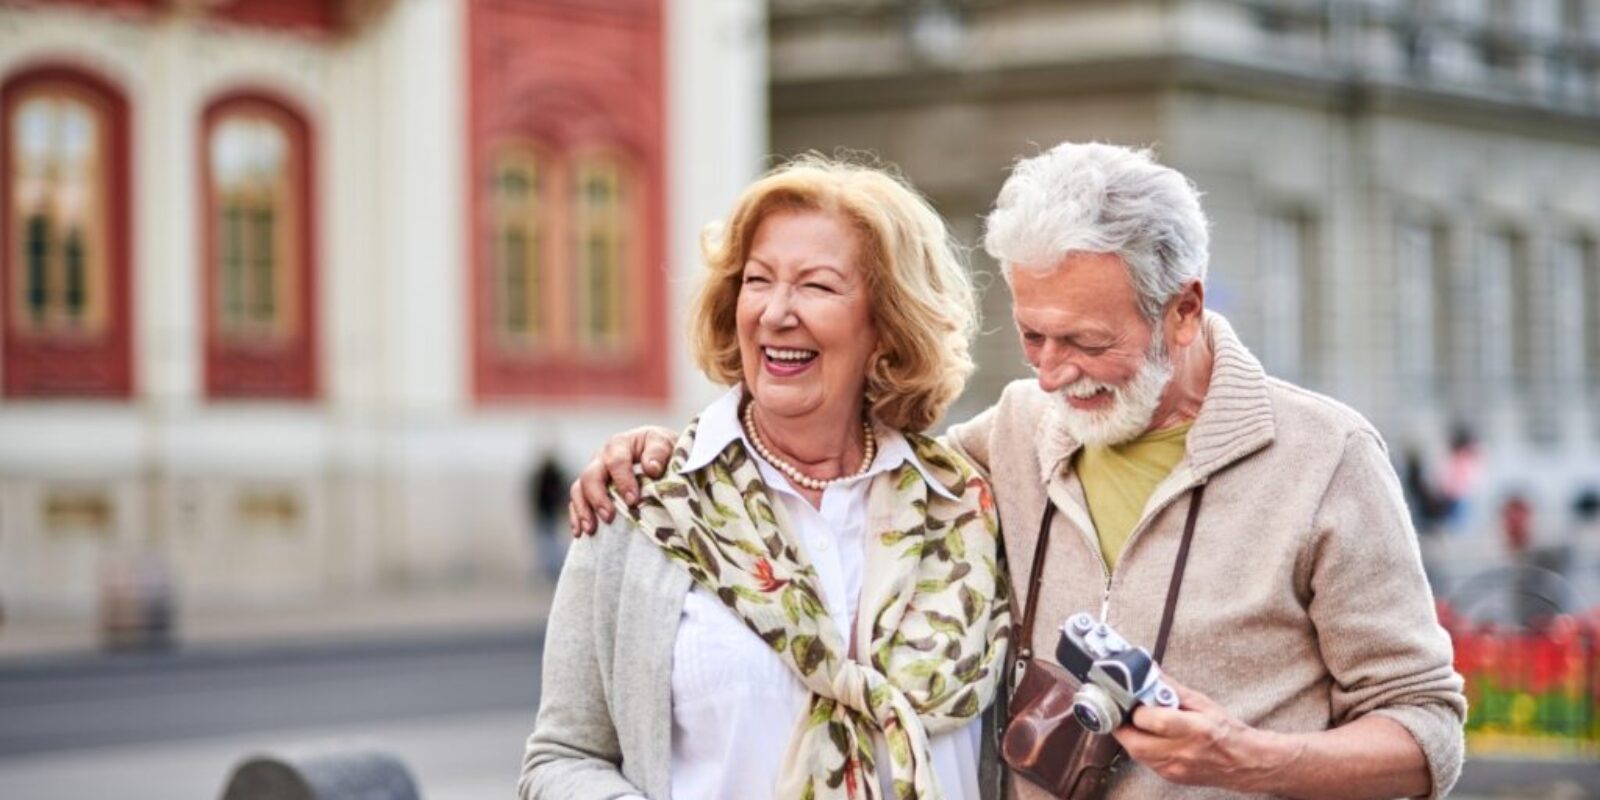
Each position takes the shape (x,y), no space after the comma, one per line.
(764,576)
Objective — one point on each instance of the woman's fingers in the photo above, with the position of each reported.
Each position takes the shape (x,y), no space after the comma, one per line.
(594,483)
(580,513)
(618,457)
(657,449)
(613,466)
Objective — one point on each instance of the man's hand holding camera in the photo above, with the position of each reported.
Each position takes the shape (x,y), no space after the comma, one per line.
(1201,744)
(1180,733)
(1188,738)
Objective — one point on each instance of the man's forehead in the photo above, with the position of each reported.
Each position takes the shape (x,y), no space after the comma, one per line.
(1057,321)
(1066,301)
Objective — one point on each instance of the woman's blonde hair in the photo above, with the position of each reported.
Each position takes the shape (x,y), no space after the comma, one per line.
(921,295)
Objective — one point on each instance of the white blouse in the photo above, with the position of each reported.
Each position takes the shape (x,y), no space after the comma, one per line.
(734,702)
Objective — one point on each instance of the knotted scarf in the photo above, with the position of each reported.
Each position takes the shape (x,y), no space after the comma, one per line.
(934,613)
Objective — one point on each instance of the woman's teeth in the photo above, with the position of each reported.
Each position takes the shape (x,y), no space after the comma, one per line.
(789,356)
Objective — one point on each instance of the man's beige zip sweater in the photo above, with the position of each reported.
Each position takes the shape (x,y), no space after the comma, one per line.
(1304,606)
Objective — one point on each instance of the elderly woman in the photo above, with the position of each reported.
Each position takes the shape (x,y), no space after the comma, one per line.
(806,603)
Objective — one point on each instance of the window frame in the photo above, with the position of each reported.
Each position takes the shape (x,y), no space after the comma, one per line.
(1291,301)
(242,367)
(569,356)
(50,364)
(542,218)
(626,215)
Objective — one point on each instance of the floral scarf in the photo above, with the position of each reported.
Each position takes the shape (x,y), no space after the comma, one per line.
(940,616)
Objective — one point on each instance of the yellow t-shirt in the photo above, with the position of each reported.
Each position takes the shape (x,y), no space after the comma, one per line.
(1118,480)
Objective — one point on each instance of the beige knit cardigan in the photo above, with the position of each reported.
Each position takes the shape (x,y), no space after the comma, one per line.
(1304,606)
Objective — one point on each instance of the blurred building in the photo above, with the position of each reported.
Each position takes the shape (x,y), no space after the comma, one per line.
(1405,194)
(296,292)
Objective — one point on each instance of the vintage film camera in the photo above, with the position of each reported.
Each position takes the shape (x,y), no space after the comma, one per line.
(1116,676)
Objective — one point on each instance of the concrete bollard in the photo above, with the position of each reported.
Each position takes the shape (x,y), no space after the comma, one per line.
(324,774)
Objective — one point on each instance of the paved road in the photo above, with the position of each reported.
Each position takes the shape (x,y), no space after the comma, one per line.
(83,702)
(166,726)
(452,757)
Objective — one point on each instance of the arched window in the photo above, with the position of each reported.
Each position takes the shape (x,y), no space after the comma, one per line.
(59,185)
(563,289)
(64,137)
(520,247)
(601,252)
(257,251)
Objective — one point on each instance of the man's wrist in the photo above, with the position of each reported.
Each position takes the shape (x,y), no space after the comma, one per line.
(1274,757)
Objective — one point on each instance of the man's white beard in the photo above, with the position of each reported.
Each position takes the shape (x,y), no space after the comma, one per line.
(1132,408)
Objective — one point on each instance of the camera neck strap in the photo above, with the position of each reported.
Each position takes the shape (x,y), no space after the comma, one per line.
(1036,576)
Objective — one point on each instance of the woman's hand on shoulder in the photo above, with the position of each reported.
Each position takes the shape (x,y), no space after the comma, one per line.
(648,446)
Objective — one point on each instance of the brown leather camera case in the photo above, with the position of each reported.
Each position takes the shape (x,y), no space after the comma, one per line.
(1044,744)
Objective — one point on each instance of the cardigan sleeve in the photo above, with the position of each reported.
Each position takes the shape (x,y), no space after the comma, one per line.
(573,753)
(1374,614)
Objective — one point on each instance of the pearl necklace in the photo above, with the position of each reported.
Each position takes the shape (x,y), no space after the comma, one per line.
(869,448)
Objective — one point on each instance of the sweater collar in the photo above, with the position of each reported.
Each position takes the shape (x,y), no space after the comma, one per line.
(1235,417)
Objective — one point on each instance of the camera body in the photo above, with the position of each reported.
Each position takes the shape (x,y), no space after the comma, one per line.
(1115,675)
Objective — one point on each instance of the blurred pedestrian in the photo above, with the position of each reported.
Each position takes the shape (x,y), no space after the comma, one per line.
(1516,523)
(547,499)
(1463,473)
(1430,505)
(1430,509)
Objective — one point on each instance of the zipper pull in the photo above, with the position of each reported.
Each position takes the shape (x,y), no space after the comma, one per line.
(1105,604)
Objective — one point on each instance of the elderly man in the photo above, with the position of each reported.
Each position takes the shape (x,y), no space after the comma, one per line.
(1304,645)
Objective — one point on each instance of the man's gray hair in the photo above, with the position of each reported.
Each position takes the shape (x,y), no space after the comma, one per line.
(1101,198)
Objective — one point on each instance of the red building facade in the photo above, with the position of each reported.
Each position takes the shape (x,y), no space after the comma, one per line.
(564,259)
(566,151)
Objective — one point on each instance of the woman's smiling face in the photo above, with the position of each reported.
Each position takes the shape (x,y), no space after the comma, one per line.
(805,317)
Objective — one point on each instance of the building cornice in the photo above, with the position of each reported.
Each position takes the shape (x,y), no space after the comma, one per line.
(1354,94)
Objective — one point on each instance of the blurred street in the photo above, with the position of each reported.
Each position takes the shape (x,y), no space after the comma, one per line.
(455,707)
(446,680)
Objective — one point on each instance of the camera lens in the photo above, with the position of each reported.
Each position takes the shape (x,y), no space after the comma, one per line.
(1087,717)
(1095,710)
